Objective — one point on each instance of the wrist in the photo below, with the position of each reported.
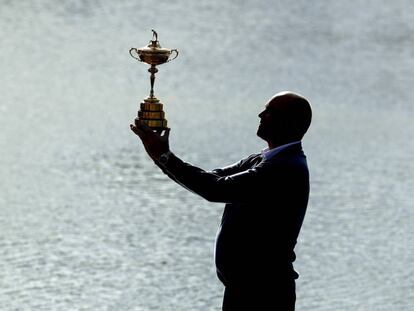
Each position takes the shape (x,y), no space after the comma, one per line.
(164,157)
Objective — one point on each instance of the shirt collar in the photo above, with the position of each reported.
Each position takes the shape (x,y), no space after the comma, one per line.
(267,153)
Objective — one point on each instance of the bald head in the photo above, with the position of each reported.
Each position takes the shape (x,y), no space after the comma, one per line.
(287,117)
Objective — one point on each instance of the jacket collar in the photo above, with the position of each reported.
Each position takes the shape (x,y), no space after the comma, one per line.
(268,154)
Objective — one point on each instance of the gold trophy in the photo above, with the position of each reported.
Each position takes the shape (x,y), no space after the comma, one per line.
(153,54)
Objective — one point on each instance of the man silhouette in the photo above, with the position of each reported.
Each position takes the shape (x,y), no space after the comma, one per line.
(266,196)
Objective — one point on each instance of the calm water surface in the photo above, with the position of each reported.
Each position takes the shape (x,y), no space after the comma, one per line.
(87,222)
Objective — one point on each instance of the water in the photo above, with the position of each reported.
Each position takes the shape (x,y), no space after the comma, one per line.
(89,223)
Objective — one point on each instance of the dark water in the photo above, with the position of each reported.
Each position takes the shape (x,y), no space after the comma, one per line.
(89,223)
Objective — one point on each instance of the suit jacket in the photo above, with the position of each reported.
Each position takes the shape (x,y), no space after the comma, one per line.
(266,202)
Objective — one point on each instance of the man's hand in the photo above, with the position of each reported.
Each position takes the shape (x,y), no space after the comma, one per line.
(155,143)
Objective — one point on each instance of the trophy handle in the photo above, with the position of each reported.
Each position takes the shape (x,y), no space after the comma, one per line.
(136,51)
(176,54)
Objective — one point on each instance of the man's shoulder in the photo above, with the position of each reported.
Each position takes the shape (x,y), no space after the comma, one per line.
(289,154)
(286,160)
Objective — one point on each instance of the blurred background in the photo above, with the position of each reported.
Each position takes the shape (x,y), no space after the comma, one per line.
(88,222)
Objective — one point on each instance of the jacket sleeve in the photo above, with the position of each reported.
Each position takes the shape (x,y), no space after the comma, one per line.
(241,187)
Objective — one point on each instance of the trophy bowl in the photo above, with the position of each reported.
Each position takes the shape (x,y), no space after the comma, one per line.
(154,55)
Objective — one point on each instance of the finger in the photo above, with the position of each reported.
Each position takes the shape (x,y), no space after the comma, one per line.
(137,131)
(133,128)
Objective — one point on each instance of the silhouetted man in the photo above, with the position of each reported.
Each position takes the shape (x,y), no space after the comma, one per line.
(266,196)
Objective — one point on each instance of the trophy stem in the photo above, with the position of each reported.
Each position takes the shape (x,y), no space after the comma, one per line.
(153,70)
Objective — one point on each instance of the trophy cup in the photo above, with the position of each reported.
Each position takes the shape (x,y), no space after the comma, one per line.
(151,112)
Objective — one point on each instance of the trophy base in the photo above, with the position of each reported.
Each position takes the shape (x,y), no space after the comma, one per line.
(152,114)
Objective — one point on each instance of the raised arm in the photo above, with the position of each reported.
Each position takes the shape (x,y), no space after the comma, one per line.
(231,184)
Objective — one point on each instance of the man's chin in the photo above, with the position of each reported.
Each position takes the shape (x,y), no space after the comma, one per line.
(260,133)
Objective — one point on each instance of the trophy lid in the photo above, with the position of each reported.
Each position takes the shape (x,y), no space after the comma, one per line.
(154,45)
